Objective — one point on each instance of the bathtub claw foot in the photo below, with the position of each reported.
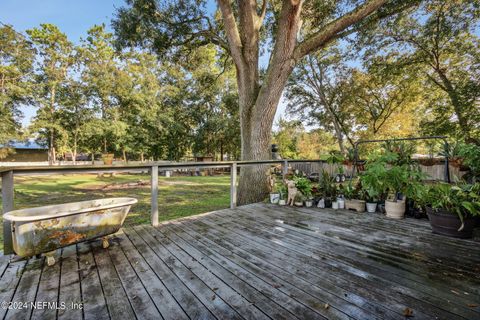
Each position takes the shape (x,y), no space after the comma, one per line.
(105,243)
(50,260)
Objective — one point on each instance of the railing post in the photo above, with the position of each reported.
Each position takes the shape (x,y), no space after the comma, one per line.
(233,185)
(154,195)
(284,169)
(7,205)
(447,165)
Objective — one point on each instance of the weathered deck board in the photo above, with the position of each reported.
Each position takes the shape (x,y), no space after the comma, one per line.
(256,262)
(423,291)
(70,285)
(94,304)
(27,288)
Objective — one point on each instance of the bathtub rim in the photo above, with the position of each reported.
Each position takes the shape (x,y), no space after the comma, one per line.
(10,215)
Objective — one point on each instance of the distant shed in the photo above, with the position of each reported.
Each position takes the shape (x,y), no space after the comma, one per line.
(26,151)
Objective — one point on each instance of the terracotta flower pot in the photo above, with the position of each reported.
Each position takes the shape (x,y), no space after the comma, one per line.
(395,209)
(446,223)
(456,162)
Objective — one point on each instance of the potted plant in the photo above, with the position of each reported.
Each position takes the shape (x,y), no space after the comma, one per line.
(336,159)
(471,160)
(304,186)
(401,181)
(372,182)
(391,174)
(107,158)
(452,209)
(282,189)
(275,194)
(452,152)
(352,201)
(327,188)
(298,201)
(308,202)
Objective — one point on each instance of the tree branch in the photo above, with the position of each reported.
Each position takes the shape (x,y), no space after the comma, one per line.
(262,14)
(331,30)
(233,36)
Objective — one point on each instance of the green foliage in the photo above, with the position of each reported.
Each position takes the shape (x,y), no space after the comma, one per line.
(402,149)
(93,98)
(373,180)
(281,188)
(304,185)
(52,75)
(471,158)
(386,174)
(327,185)
(317,94)
(335,157)
(353,190)
(462,200)
(438,44)
(16,63)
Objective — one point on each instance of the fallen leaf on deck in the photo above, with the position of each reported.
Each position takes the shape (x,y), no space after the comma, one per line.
(326,306)
(453,291)
(408,312)
(215,289)
(472,305)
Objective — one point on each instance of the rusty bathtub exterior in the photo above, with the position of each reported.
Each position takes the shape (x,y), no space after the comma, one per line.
(45,229)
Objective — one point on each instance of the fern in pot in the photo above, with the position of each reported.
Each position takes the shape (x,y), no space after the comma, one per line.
(452,209)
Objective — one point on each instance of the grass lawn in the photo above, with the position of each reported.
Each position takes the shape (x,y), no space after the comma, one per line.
(178,196)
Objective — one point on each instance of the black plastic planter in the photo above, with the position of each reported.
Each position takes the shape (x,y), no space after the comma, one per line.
(328,203)
(446,223)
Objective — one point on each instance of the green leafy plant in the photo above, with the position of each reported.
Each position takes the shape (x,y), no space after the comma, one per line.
(304,185)
(352,191)
(327,185)
(452,152)
(462,200)
(384,175)
(373,180)
(350,156)
(404,151)
(471,158)
(334,157)
(282,189)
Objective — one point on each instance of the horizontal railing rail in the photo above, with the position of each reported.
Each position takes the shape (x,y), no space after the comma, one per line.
(8,173)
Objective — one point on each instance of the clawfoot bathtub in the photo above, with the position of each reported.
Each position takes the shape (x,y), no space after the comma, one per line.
(45,229)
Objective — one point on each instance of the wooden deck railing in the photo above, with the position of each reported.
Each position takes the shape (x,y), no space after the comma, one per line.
(8,174)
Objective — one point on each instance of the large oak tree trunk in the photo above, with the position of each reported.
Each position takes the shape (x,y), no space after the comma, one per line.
(258,102)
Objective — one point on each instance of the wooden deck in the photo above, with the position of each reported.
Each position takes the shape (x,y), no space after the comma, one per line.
(256,262)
